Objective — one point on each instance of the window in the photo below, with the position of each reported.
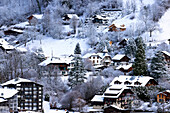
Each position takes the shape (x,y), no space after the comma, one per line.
(137,83)
(117,82)
(93,57)
(127,83)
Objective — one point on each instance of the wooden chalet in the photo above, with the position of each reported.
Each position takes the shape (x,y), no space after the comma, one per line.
(163,96)
(97,103)
(35,19)
(117,27)
(14,32)
(125,68)
(120,58)
(100,19)
(123,42)
(63,64)
(118,96)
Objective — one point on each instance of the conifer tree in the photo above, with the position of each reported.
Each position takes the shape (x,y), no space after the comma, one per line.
(140,66)
(157,68)
(130,48)
(77,74)
(77,49)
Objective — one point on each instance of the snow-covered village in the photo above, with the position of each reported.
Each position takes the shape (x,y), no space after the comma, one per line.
(84,56)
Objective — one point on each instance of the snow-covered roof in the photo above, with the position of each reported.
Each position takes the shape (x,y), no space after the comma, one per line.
(20,25)
(120,25)
(125,67)
(56,60)
(2,100)
(101,55)
(168,91)
(72,15)
(17,30)
(167,53)
(132,79)
(97,98)
(116,90)
(3,41)
(101,17)
(21,49)
(8,47)
(15,81)
(116,107)
(118,56)
(7,92)
(38,16)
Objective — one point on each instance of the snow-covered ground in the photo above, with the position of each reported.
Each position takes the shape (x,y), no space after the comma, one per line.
(58,47)
(47,109)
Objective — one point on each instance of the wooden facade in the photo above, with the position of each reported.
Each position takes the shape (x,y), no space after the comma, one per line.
(151,82)
(12,32)
(63,67)
(123,59)
(163,96)
(123,101)
(115,28)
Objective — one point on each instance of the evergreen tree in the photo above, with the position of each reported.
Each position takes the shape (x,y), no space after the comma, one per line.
(77,49)
(77,74)
(130,48)
(140,66)
(157,66)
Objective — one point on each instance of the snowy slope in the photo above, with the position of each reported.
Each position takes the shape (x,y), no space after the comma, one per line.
(58,47)
(164,25)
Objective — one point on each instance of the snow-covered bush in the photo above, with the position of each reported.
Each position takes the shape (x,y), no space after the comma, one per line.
(110,72)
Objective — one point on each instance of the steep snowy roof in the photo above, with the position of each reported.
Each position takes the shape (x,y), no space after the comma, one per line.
(118,56)
(7,93)
(20,25)
(167,53)
(3,41)
(20,49)
(2,100)
(7,47)
(15,81)
(132,79)
(125,67)
(38,16)
(55,60)
(116,90)
(17,30)
(97,98)
(72,15)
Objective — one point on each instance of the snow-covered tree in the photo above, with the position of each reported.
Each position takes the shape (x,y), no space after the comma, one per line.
(74,23)
(77,49)
(92,35)
(131,48)
(140,66)
(157,67)
(77,74)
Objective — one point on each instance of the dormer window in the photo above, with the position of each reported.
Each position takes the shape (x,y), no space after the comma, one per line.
(117,82)
(137,83)
(127,83)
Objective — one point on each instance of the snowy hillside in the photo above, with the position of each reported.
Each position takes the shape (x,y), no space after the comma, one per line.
(58,47)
